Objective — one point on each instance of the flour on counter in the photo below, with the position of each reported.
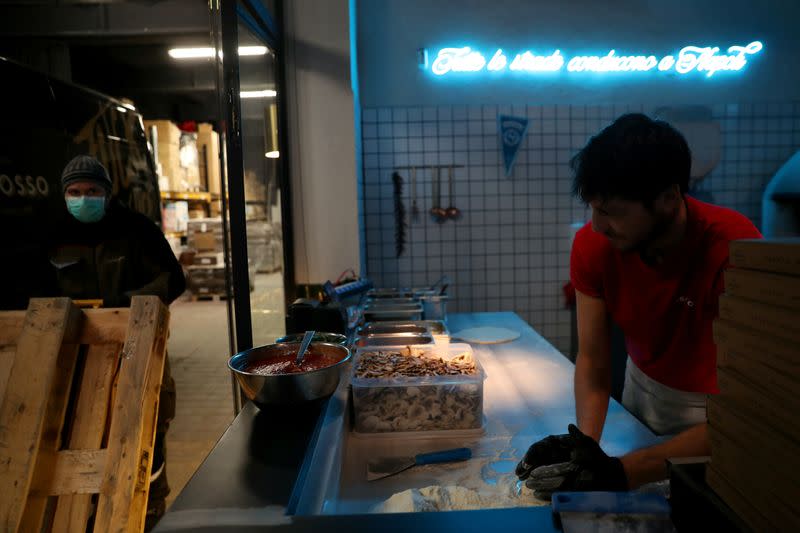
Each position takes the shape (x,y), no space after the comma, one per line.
(454,498)
(484,482)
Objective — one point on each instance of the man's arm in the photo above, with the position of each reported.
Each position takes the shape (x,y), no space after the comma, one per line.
(161,273)
(650,464)
(593,365)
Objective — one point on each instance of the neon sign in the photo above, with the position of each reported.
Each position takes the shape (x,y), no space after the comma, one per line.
(706,60)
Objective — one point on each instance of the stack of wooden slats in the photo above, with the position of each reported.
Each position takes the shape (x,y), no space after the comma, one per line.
(754,422)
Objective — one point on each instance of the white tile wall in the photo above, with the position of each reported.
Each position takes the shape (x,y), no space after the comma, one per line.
(510,249)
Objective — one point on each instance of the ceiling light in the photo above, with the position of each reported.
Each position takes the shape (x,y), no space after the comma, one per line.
(273,155)
(266,93)
(252,50)
(191,53)
(205,52)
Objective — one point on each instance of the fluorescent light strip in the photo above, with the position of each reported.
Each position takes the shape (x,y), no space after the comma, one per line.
(252,50)
(191,53)
(205,53)
(266,93)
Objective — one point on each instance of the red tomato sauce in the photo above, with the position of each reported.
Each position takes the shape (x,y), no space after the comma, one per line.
(284,364)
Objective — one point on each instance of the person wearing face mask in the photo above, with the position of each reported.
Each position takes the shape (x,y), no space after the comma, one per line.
(651,259)
(104,251)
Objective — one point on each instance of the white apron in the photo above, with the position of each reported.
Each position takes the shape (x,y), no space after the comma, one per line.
(664,410)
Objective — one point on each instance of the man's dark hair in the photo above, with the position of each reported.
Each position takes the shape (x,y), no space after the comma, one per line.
(635,158)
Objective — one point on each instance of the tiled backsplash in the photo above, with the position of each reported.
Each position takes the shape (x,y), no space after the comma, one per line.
(510,249)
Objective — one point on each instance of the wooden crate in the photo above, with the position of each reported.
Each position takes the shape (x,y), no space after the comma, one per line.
(79,390)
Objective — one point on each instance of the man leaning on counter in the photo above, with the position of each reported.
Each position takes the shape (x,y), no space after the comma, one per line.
(651,259)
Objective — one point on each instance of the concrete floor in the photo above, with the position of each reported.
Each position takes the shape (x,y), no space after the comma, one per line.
(198,352)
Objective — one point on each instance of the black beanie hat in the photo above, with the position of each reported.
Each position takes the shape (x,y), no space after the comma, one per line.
(85,168)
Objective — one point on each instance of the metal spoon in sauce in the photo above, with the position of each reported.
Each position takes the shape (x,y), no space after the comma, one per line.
(304,346)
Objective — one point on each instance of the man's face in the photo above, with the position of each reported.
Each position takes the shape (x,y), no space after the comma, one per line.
(84,188)
(629,225)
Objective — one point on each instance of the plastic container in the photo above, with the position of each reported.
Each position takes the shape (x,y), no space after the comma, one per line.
(434,306)
(394,339)
(424,403)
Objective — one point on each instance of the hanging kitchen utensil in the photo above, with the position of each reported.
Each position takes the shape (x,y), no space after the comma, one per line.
(387,466)
(453,213)
(437,211)
(434,211)
(399,215)
(414,207)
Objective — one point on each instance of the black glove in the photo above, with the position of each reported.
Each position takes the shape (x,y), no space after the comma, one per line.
(589,469)
(549,450)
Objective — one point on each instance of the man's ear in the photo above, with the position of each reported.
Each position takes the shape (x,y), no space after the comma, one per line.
(669,197)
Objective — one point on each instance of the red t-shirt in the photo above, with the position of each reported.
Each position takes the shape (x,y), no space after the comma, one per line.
(665,311)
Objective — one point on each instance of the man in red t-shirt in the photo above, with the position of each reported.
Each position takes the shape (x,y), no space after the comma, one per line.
(651,260)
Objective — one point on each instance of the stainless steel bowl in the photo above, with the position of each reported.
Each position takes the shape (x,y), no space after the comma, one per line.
(283,389)
(320,336)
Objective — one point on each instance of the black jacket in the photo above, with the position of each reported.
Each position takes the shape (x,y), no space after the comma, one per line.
(123,255)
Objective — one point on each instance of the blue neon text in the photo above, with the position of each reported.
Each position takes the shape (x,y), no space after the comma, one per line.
(706,60)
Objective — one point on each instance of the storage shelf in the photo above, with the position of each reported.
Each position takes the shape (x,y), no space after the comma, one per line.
(190,196)
(175,234)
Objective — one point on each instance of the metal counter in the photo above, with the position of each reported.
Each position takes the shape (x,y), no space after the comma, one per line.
(309,465)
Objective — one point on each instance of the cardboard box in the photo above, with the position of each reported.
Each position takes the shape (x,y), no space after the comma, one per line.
(170,164)
(210,259)
(766,349)
(763,441)
(782,322)
(735,460)
(189,160)
(780,255)
(765,287)
(205,242)
(254,188)
(772,490)
(740,504)
(176,216)
(756,408)
(208,151)
(166,131)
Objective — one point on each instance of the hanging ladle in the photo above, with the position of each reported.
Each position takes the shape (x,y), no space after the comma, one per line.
(437,211)
(452,212)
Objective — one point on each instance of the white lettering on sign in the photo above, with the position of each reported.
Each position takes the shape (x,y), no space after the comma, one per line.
(612,63)
(528,62)
(707,60)
(24,186)
(458,60)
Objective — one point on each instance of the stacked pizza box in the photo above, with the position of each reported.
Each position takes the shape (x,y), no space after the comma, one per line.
(754,423)
(207,275)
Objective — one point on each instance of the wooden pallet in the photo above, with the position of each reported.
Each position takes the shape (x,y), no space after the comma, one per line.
(79,392)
